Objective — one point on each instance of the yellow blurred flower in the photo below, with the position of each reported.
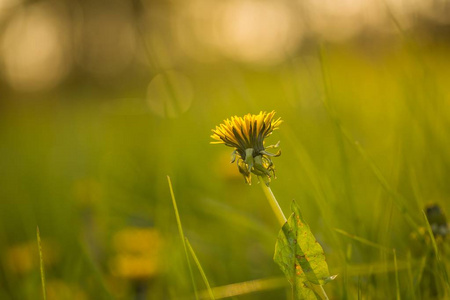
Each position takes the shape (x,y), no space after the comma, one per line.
(58,289)
(246,135)
(138,252)
(24,257)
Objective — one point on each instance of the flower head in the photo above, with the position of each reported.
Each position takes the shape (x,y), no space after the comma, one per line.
(246,135)
(138,252)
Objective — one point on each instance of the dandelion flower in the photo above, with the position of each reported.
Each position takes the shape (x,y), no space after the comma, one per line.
(138,252)
(246,135)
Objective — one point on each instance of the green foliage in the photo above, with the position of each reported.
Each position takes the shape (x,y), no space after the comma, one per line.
(301,257)
(84,169)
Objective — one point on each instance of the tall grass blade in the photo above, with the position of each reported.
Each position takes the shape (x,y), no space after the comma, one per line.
(41,263)
(322,191)
(440,263)
(246,287)
(410,276)
(362,240)
(326,100)
(397,283)
(398,199)
(183,239)
(199,266)
(359,288)
(419,273)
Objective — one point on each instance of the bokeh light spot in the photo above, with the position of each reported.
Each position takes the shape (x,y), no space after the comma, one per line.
(35,49)
(257,31)
(107,40)
(170,94)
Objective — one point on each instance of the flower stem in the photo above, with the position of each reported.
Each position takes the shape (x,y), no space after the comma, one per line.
(323,292)
(281,217)
(273,203)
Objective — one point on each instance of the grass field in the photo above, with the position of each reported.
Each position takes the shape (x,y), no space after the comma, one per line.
(365,148)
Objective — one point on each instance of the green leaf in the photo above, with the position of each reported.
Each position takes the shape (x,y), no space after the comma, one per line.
(303,290)
(301,257)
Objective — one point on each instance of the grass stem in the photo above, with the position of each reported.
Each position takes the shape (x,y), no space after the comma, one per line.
(397,284)
(199,266)
(41,263)
(361,240)
(441,265)
(183,239)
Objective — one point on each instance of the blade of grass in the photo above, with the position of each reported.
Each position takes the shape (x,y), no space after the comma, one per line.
(199,266)
(323,193)
(95,270)
(397,283)
(345,278)
(361,240)
(41,263)
(326,100)
(380,267)
(398,199)
(410,276)
(414,182)
(183,239)
(359,288)
(441,264)
(246,287)
(419,274)
(430,233)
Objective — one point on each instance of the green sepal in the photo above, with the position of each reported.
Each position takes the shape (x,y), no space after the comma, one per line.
(271,154)
(274,146)
(233,156)
(249,158)
(259,168)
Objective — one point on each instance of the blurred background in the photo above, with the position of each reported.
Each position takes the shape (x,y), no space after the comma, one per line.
(100,100)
